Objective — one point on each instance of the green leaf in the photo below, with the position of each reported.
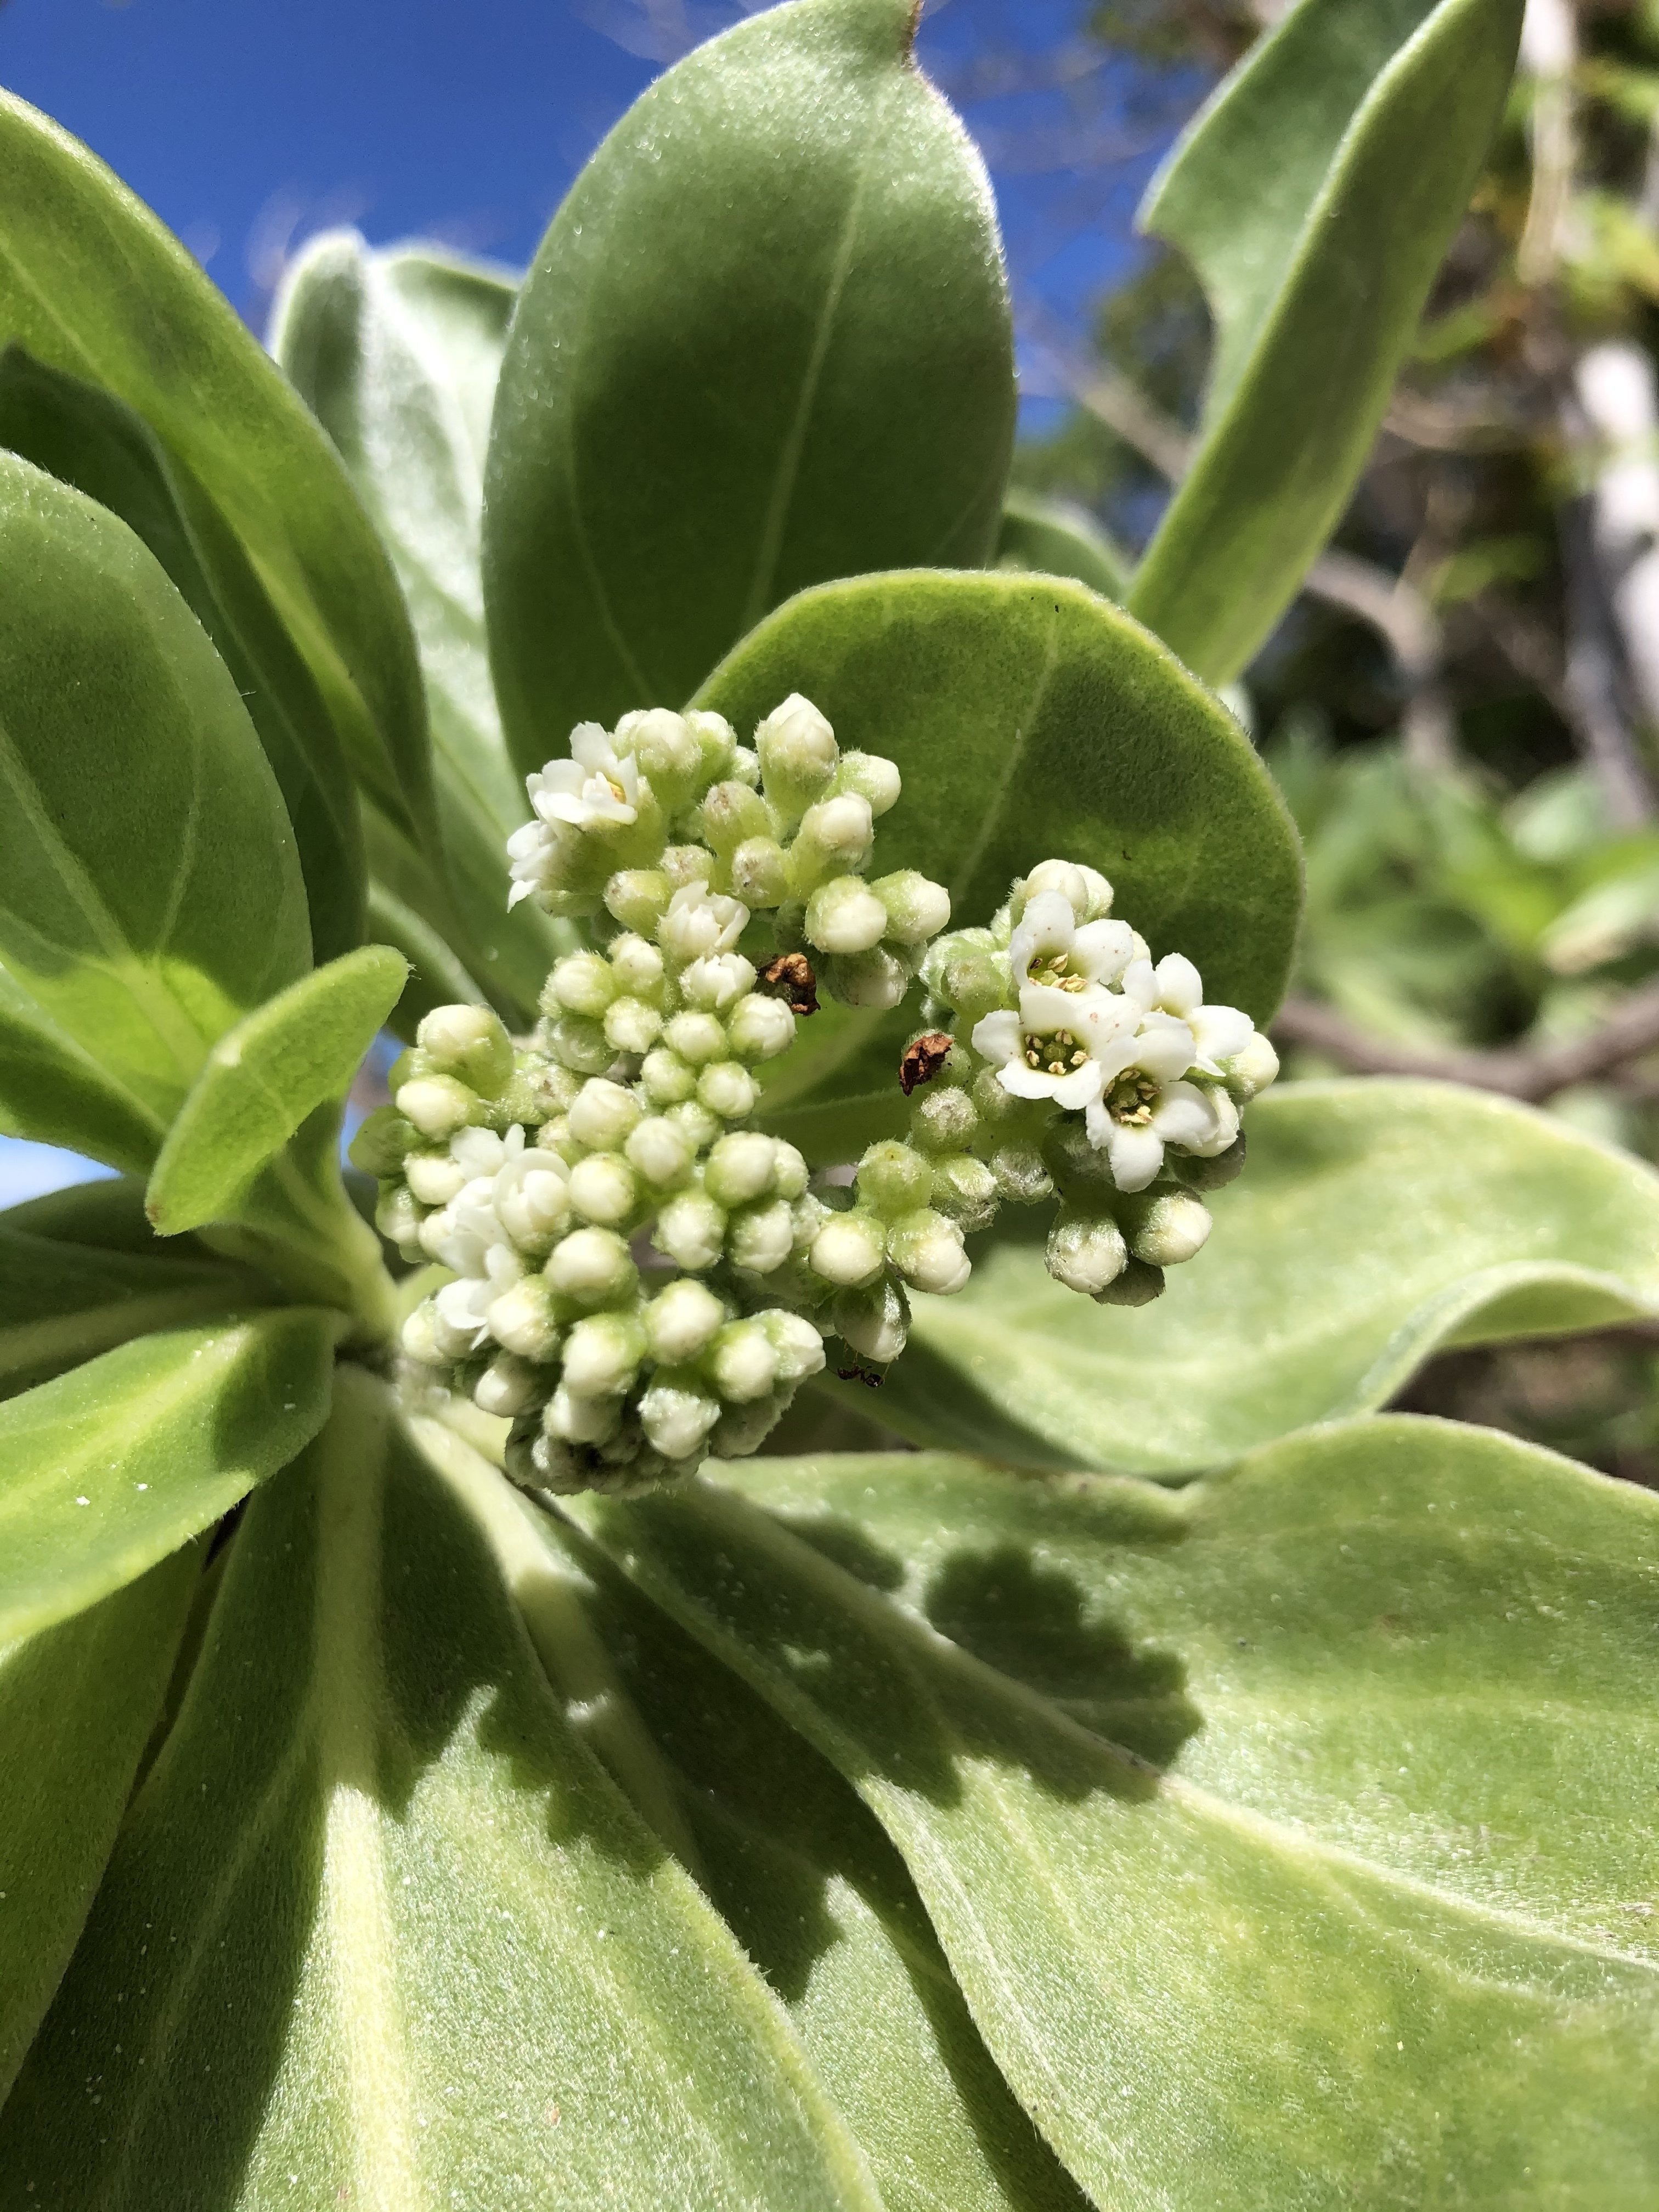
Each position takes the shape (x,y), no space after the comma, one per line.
(1376,1813)
(1375,1222)
(108,1213)
(397,354)
(765,343)
(149,892)
(76,1703)
(91,283)
(297,1052)
(1315,196)
(1028,718)
(379,1930)
(105,1471)
(85,438)
(62,1303)
(1057,538)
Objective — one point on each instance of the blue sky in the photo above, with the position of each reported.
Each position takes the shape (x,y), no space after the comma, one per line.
(246,127)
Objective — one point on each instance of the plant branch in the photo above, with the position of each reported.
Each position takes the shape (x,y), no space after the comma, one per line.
(1403,617)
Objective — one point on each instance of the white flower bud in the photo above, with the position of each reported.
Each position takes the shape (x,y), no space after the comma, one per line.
(877,979)
(965,1189)
(893,1179)
(760,1237)
(845,916)
(468,1041)
(760,1027)
(508,1387)
(421,1340)
(592,1265)
(729,1089)
(738,1168)
(1086,889)
(1173,1228)
(943,1120)
(790,1174)
(457,1324)
(637,966)
(602,1189)
(697,1037)
(807,1215)
(522,1319)
(696,1123)
(1086,1253)
(534,1205)
(434,1177)
(578,1420)
(759,873)
(665,1079)
(603,1114)
(638,897)
(660,1152)
(875,1321)
(691,1230)
(840,828)
(1252,1070)
(744,1362)
(677,1416)
(797,748)
(681,1321)
(798,1345)
(717,982)
(926,1250)
(631,1025)
(700,921)
(917,909)
(876,780)
(437,1105)
(397,1216)
(666,750)
(850,1249)
(601,1355)
(582,984)
(578,1043)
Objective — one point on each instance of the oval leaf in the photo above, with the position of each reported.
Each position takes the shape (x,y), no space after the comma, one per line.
(77,1705)
(91,283)
(85,437)
(105,1471)
(1393,1813)
(1316,258)
(765,343)
(379,1930)
(262,1079)
(149,892)
(1374,1222)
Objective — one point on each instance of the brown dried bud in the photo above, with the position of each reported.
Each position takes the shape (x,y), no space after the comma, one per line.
(924,1059)
(790,977)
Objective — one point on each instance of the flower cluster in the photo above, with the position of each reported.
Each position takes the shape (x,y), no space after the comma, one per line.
(1086,1070)
(634,1277)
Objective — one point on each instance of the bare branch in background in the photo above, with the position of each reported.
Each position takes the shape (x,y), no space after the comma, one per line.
(1549,54)
(1453,426)
(1403,617)
(1532,1073)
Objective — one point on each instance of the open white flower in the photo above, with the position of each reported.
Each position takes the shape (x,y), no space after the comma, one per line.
(1219,1033)
(1145,1104)
(595,784)
(700,923)
(1059,1042)
(1050,947)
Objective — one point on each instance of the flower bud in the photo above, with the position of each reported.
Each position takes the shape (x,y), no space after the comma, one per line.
(631,1025)
(732,812)
(874,779)
(422,1339)
(592,1265)
(696,1036)
(839,832)
(1251,1070)
(509,1386)
(383,1142)
(457,1324)
(875,1321)
(437,1105)
(965,1189)
(637,966)
(1169,1229)
(601,1355)
(603,1189)
(967,971)
(917,909)
(700,921)
(638,898)
(850,1249)
(578,1043)
(574,1419)
(807,1215)
(717,982)
(667,751)
(470,1042)
(603,1114)
(926,1250)
(665,1079)
(877,980)
(893,1179)
(696,1123)
(798,1345)
(523,1319)
(1086,889)
(681,1321)
(743,1429)
(688,865)
(1086,1252)
(760,1238)
(677,1413)
(397,1216)
(1137,1285)
(691,1230)
(759,1027)
(845,916)
(759,873)
(717,744)
(943,1120)
(580,983)
(1020,1174)
(729,1089)
(743,1362)
(533,1205)
(660,1152)
(789,1170)
(434,1177)
(738,1168)
(1207,1174)
(798,752)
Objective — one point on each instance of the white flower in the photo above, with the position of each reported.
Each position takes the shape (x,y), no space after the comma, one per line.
(1061,1043)
(1085,890)
(1050,947)
(1145,1104)
(594,785)
(1219,1033)
(699,923)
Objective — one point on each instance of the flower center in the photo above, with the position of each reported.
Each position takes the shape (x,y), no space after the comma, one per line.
(1055,978)
(1132,1097)
(1053,1055)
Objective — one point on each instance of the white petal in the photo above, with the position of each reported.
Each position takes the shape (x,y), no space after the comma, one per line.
(1140,982)
(1225,1110)
(1102,951)
(996,1036)
(1164,1048)
(1105,1022)
(1044,1009)
(590,743)
(1180,987)
(1046,927)
(1185,1116)
(1220,1032)
(1022,1081)
(1136,1155)
(1080,1088)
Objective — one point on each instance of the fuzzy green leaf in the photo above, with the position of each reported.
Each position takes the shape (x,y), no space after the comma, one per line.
(1314,196)
(765,343)
(1254,1821)
(85,437)
(1028,718)
(105,1471)
(76,1704)
(149,890)
(1374,1223)
(379,1930)
(263,1079)
(1058,539)
(397,354)
(91,283)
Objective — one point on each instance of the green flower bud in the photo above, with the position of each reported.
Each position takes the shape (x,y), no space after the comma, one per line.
(631,1025)
(759,1027)
(696,1123)
(730,813)
(729,1089)
(798,754)
(574,1419)
(434,1177)
(524,1319)
(994,1104)
(718,749)
(509,1386)
(877,980)
(759,873)
(760,1237)
(578,1043)
(667,751)
(665,1079)
(684,865)
(965,1189)
(638,898)
(837,833)
(1167,1230)
(1086,1252)
(738,1168)
(917,909)
(944,1120)
(603,1114)
(874,779)
(437,1105)
(681,1321)
(926,1250)
(1021,1175)
(850,1249)
(798,1345)
(397,1216)
(580,983)
(676,1413)
(807,1215)
(875,1321)
(1137,1285)
(603,1189)
(789,1170)
(742,1430)
(1251,1070)
(845,916)
(691,1230)
(592,1266)
(422,1340)
(892,1179)
(601,1355)
(743,1362)
(470,1042)
(660,1152)
(696,1036)
(972,979)
(384,1142)
(638,967)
